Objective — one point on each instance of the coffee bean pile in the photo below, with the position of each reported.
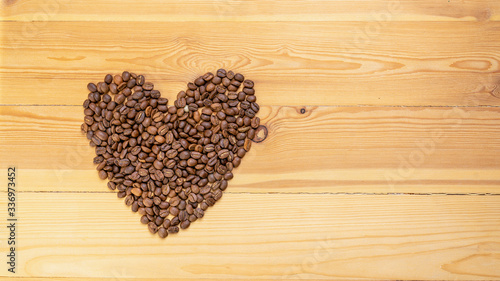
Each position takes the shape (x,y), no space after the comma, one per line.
(170,163)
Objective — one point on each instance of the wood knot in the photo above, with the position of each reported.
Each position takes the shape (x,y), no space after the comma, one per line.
(496,91)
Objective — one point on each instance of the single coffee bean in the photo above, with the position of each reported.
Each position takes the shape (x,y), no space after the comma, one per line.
(248,84)
(199,213)
(117,79)
(216,80)
(208,76)
(248,91)
(102,174)
(129,200)
(185,224)
(92,87)
(255,122)
(102,135)
(158,221)
(251,98)
(153,228)
(148,202)
(113,88)
(238,77)
(125,76)
(144,219)
(103,88)
(140,80)
(173,229)
(221,72)
(199,82)
(255,107)
(148,86)
(108,79)
(247,144)
(136,191)
(131,83)
(121,86)
(224,153)
(162,232)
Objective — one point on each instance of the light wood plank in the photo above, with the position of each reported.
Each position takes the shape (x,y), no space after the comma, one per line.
(292,63)
(264,236)
(232,10)
(145,279)
(327,149)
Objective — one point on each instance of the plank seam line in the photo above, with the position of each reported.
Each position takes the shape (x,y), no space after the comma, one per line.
(322,106)
(294,193)
(451,20)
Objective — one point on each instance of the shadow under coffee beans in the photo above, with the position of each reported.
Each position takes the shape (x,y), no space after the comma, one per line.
(170,163)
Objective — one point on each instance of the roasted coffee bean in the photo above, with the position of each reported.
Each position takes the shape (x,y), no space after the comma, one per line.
(173,229)
(224,153)
(108,79)
(131,83)
(183,215)
(102,174)
(162,232)
(129,200)
(121,86)
(136,191)
(140,80)
(117,79)
(158,221)
(103,88)
(185,224)
(171,162)
(216,80)
(255,122)
(238,77)
(249,91)
(248,84)
(247,144)
(125,76)
(102,135)
(153,228)
(251,98)
(148,202)
(148,86)
(113,88)
(199,82)
(174,211)
(255,107)
(91,87)
(199,213)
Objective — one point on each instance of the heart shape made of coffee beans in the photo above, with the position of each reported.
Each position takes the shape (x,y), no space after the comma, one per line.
(170,163)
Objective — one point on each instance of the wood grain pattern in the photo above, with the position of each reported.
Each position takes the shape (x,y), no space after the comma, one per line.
(265,236)
(326,149)
(267,10)
(292,63)
(392,172)
(139,279)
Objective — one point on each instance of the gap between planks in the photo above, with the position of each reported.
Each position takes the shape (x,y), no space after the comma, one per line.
(289,192)
(376,237)
(314,106)
(267,10)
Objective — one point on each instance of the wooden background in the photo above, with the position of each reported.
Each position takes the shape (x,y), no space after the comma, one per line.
(391,172)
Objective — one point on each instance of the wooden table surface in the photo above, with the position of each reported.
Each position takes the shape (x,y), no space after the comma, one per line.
(382,160)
